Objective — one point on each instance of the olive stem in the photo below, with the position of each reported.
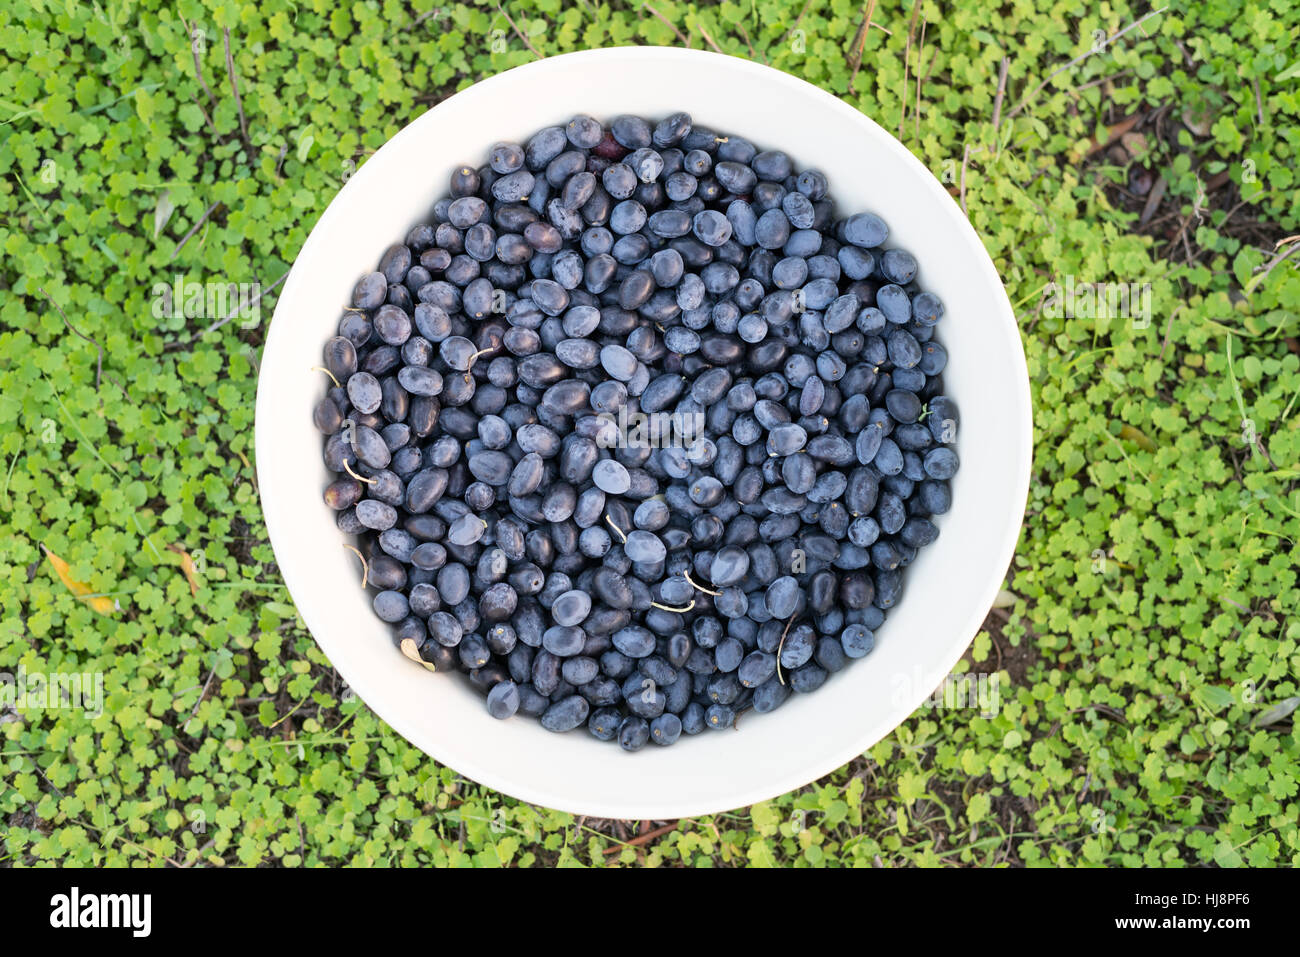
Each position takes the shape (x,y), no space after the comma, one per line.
(617,529)
(360,478)
(687,576)
(782,645)
(328,373)
(365,568)
(412,651)
(680,611)
(474,358)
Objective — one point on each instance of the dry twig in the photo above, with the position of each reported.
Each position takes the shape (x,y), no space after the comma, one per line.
(520,34)
(967,153)
(644,838)
(907,57)
(193,229)
(671,26)
(234,87)
(1079,59)
(920,80)
(99,361)
(860,42)
(198,66)
(705,33)
(997,101)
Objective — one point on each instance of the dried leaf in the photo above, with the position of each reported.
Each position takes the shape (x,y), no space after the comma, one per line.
(1004,599)
(1112,135)
(1133,435)
(1198,121)
(100,603)
(162,212)
(1134,143)
(1279,711)
(187,566)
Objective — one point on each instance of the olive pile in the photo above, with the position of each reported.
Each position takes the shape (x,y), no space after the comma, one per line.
(636,431)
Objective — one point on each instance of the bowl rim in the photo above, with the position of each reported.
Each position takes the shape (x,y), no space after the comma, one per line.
(796,774)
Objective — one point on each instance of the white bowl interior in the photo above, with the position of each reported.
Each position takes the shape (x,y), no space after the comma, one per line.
(948,589)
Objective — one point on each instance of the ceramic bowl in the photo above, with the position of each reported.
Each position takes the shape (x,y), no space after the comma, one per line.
(949,588)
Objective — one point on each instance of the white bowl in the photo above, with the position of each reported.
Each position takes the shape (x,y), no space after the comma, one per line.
(948,590)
